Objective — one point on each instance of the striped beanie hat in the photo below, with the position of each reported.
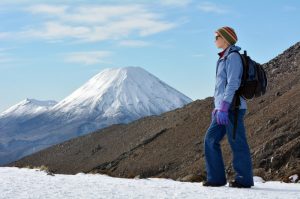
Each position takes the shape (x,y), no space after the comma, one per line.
(228,34)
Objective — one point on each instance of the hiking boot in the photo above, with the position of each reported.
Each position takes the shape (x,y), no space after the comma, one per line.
(210,184)
(235,184)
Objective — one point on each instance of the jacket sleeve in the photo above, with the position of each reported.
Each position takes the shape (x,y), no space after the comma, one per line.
(234,71)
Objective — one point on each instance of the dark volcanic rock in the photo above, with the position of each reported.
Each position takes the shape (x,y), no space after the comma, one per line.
(171,145)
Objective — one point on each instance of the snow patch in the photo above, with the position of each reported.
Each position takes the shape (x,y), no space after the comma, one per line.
(28,183)
(258,179)
(294,178)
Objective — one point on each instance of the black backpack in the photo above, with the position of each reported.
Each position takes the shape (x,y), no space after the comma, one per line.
(253,83)
(254,80)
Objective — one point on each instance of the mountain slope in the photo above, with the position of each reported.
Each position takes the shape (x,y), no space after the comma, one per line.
(117,95)
(171,144)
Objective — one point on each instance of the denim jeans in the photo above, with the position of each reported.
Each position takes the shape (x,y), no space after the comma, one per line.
(242,162)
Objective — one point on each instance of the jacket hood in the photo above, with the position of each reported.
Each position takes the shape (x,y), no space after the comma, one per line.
(230,49)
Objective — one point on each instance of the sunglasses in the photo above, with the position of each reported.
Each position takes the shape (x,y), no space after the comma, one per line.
(217,37)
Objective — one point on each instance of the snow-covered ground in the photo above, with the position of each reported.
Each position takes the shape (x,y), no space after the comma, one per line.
(32,183)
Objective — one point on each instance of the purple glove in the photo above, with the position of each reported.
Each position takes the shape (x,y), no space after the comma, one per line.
(222,114)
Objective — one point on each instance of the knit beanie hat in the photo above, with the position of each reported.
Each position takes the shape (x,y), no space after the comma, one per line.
(228,34)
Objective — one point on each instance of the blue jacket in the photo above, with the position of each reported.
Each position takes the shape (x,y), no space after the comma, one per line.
(228,77)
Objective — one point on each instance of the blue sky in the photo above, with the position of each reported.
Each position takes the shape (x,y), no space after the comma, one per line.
(50,48)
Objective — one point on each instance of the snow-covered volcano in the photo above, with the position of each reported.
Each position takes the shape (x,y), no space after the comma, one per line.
(115,95)
(120,92)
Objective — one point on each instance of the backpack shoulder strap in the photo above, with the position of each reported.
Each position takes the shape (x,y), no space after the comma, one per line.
(244,58)
(236,99)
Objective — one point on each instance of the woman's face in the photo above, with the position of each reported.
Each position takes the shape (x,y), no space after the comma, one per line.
(220,42)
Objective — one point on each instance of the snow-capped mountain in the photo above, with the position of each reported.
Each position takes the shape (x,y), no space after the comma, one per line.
(21,112)
(121,92)
(28,107)
(115,95)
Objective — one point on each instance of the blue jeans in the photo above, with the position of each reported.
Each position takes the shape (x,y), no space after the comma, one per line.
(242,162)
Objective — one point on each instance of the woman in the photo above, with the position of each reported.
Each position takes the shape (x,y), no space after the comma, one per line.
(228,77)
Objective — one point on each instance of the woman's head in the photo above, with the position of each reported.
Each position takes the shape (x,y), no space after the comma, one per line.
(225,37)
